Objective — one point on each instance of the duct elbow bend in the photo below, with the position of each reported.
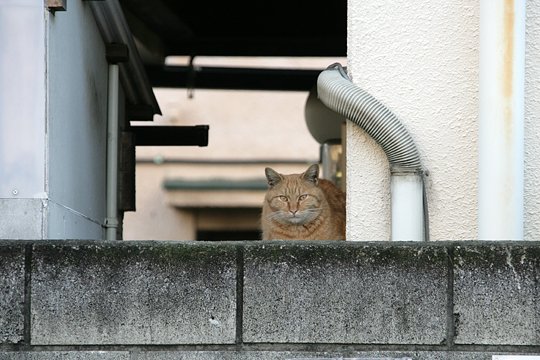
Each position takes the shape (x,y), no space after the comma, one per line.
(409,205)
(338,93)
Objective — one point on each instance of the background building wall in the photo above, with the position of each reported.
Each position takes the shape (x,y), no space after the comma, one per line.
(421,60)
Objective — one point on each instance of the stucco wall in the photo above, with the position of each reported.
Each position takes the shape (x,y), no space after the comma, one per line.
(532,122)
(77,124)
(421,60)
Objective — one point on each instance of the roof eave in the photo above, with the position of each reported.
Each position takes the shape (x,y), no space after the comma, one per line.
(114,29)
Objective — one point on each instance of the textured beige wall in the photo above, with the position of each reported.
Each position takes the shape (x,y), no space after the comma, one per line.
(421,60)
(532,123)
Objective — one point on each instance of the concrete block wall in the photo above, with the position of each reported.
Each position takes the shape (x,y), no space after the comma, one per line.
(268,300)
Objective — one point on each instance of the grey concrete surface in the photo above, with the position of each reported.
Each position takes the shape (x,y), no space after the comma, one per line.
(241,355)
(65,355)
(133,293)
(496,294)
(11,293)
(299,300)
(285,355)
(21,219)
(345,293)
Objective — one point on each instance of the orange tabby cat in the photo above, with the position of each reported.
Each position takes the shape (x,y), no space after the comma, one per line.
(302,207)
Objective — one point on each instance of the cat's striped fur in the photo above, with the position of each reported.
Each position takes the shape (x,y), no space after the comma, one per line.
(302,207)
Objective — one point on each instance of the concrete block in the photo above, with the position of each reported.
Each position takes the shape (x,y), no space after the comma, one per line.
(211,355)
(496,294)
(11,293)
(65,355)
(345,293)
(133,293)
(284,355)
(21,219)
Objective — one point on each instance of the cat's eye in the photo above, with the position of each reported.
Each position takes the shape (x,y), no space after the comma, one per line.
(283,198)
(302,197)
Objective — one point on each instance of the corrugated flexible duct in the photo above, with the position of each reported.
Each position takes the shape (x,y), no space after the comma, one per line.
(409,208)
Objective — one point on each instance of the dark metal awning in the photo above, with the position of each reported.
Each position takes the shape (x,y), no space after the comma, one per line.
(232,78)
(154,30)
(171,135)
(311,28)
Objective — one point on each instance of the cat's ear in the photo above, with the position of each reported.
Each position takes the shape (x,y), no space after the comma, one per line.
(272,176)
(312,174)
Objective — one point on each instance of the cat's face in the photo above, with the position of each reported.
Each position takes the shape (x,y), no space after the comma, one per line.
(294,199)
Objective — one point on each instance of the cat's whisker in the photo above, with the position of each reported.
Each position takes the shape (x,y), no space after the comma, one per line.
(274,215)
(313,210)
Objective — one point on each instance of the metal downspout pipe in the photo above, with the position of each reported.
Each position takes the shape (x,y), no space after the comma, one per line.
(409,208)
(501,119)
(111,222)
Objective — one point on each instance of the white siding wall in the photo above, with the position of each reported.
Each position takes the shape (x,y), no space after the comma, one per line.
(77,124)
(53,98)
(22,119)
